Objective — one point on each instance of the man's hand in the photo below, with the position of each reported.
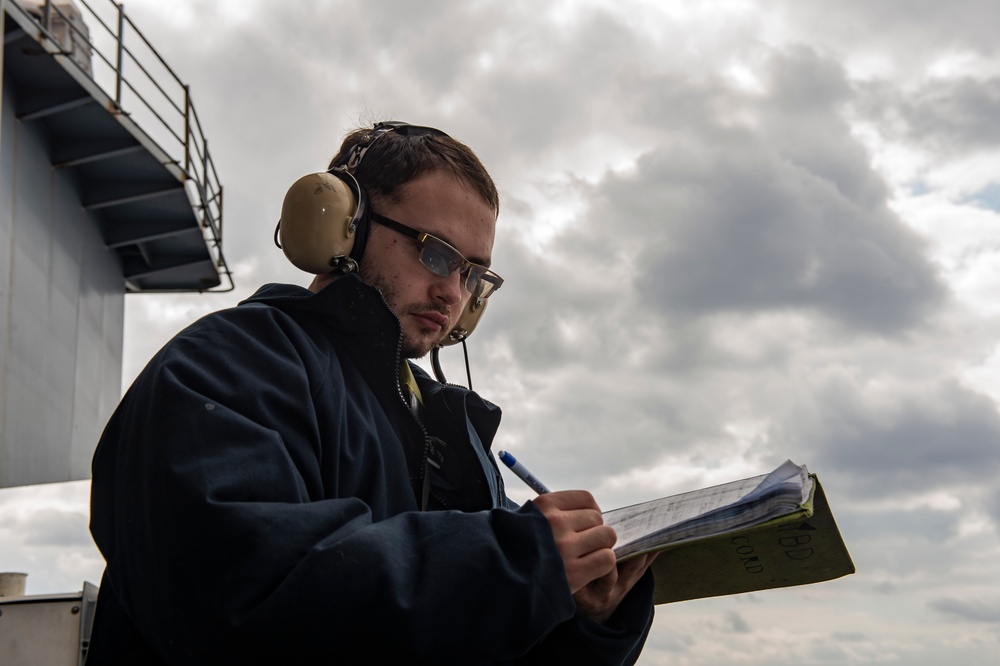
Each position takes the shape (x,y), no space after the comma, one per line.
(600,598)
(596,582)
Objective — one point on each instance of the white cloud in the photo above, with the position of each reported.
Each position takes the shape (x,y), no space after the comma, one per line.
(44,534)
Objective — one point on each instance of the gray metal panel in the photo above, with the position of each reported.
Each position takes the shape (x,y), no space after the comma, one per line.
(98,370)
(6,252)
(28,419)
(47,630)
(41,633)
(61,315)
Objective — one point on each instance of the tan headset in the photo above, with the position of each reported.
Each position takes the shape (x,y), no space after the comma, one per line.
(324,221)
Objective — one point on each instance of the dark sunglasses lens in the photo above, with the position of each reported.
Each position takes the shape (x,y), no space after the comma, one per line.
(443,260)
(435,262)
(488,284)
(472,282)
(481,282)
(440,258)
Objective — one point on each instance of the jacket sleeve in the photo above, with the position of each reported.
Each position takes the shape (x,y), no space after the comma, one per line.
(224,545)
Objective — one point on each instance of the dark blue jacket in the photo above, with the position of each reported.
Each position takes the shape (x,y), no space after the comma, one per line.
(256,497)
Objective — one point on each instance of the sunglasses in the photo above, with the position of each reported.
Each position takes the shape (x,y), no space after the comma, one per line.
(442,259)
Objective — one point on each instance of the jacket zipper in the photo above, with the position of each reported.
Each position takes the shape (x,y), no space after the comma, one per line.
(424,480)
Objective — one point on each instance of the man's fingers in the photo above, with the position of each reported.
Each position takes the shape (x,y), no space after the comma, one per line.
(567,500)
(630,571)
(599,599)
(584,570)
(575,520)
(605,585)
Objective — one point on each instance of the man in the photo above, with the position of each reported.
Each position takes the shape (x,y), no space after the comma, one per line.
(274,488)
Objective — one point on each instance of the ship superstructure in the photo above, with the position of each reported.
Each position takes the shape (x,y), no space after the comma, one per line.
(107,187)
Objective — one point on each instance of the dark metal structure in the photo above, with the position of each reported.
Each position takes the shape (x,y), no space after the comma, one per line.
(121,121)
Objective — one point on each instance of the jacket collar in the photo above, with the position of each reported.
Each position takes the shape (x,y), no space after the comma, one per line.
(348,303)
(457,415)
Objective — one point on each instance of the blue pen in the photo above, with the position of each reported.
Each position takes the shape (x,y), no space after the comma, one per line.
(523,473)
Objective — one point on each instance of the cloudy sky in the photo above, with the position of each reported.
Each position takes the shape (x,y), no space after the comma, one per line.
(732,232)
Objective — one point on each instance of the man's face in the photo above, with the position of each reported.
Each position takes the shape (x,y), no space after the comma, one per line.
(428,306)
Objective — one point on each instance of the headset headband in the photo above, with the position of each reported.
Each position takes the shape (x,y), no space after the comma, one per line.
(352,160)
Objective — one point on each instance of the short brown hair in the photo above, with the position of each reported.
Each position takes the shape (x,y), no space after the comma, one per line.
(396,159)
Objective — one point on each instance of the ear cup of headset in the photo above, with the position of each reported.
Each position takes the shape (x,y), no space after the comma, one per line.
(322,222)
(466,323)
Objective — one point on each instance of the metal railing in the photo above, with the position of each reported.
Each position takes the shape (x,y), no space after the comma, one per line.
(142,86)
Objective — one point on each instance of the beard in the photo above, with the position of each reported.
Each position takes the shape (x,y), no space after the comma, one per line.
(411,346)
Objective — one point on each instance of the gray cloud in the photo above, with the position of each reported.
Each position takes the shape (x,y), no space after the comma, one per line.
(789,216)
(912,32)
(884,542)
(924,525)
(969,610)
(736,623)
(934,437)
(993,507)
(759,234)
(55,528)
(952,117)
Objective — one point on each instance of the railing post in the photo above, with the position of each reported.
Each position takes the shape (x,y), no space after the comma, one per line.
(204,182)
(121,54)
(219,230)
(187,128)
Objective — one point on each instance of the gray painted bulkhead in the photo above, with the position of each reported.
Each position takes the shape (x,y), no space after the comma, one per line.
(91,207)
(61,315)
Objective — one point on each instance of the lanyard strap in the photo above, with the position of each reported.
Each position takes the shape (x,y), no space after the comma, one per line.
(415,401)
(411,391)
